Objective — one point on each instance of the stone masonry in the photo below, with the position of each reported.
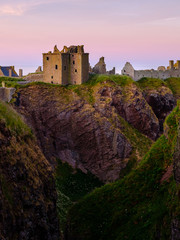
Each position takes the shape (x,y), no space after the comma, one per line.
(6,93)
(69,66)
(162,72)
(100,68)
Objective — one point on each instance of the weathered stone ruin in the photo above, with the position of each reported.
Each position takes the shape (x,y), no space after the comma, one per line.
(69,66)
(100,68)
(39,70)
(6,93)
(111,72)
(173,70)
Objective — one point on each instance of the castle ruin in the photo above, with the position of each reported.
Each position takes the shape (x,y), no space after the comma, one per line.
(100,68)
(173,70)
(69,66)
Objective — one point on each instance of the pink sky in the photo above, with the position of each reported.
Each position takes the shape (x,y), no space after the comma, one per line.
(144,33)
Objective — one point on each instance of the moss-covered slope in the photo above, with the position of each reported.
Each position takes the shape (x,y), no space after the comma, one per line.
(27,186)
(144,205)
(174,85)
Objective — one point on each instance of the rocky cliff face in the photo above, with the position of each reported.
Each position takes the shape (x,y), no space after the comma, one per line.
(129,103)
(82,125)
(143,205)
(159,96)
(27,188)
(73,131)
(162,102)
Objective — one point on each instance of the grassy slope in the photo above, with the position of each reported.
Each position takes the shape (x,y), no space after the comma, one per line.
(151,83)
(10,82)
(71,186)
(13,121)
(137,207)
(174,85)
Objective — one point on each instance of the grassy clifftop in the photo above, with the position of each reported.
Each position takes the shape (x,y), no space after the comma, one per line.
(141,206)
(151,83)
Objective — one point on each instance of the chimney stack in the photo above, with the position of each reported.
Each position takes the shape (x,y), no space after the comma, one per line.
(178,64)
(20,73)
(171,64)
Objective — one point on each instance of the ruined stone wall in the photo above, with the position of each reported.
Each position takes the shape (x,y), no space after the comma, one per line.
(156,74)
(50,63)
(100,67)
(34,77)
(6,94)
(161,73)
(128,70)
(111,72)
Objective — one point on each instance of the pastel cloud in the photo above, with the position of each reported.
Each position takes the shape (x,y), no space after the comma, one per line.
(19,7)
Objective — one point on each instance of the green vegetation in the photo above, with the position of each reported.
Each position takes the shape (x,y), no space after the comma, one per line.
(86,90)
(140,206)
(74,183)
(174,85)
(150,83)
(10,79)
(13,121)
(117,79)
(140,143)
(71,186)
(6,190)
(10,82)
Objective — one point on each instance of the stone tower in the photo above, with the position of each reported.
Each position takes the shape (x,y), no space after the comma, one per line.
(69,66)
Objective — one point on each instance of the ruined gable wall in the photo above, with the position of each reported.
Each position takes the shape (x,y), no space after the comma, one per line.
(128,70)
(51,74)
(100,67)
